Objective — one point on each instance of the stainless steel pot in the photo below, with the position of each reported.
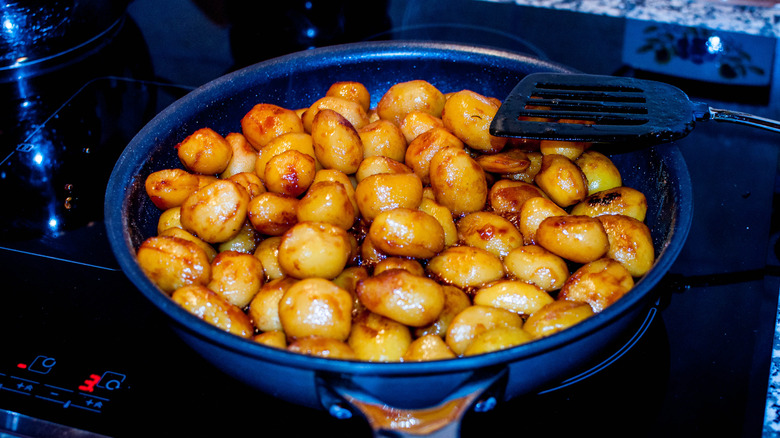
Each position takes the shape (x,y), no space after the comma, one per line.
(402,397)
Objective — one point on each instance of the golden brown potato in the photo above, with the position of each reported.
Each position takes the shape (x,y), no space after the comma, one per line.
(275,338)
(244,156)
(289,173)
(216,212)
(245,241)
(405,97)
(444,216)
(236,277)
(249,181)
(536,265)
(407,233)
(497,338)
(169,188)
(422,149)
(473,320)
(562,180)
(348,280)
(321,346)
(410,299)
(181,233)
(350,110)
(387,191)
(506,162)
(316,307)
(327,201)
(411,265)
(599,170)
(557,316)
(210,307)
(378,165)
(466,267)
(314,249)
(351,90)
(458,181)
(272,214)
(427,348)
(376,338)
(172,262)
(455,300)
(513,295)
(418,122)
(580,239)
(599,283)
(337,144)
(630,243)
(297,141)
(489,231)
(343,178)
(532,213)
(468,115)
(620,200)
(383,138)
(370,255)
(264,307)
(570,149)
(266,121)
(529,174)
(205,151)
(268,253)
(506,197)
(204,180)
(170,218)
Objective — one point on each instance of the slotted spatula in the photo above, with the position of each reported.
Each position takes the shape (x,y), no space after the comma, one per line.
(595,108)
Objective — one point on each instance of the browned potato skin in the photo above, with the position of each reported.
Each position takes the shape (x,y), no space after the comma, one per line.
(250,182)
(599,170)
(343,179)
(405,97)
(532,213)
(236,277)
(458,182)
(599,283)
(630,243)
(444,216)
(169,188)
(536,265)
(422,149)
(468,115)
(210,307)
(244,155)
(496,339)
(427,348)
(410,299)
(407,233)
(557,316)
(267,252)
(383,138)
(273,214)
(570,149)
(170,218)
(205,151)
(321,346)
(296,141)
(266,121)
(350,110)
(173,262)
(351,90)
(327,201)
(290,173)
(181,233)
(387,191)
(264,307)
(528,175)
(245,241)
(337,144)
(465,267)
(314,249)
(376,338)
(489,231)
(379,165)
(619,200)
(473,320)
(418,122)
(276,339)
(316,307)
(562,180)
(216,212)
(411,265)
(580,239)
(506,197)
(513,295)
(455,300)
(348,280)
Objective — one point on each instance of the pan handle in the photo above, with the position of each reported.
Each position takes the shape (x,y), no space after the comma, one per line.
(722,115)
(341,396)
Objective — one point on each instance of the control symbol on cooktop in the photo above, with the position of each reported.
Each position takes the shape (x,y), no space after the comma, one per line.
(42,364)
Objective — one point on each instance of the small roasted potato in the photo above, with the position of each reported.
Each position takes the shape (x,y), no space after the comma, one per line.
(272,214)
(327,201)
(455,300)
(383,138)
(599,170)
(533,212)
(316,307)
(536,265)
(351,90)
(570,149)
(489,231)
(378,165)
(275,338)
(506,197)
(619,200)
(387,191)
(267,252)
(528,175)
(297,141)
(236,277)
(496,339)
(264,306)
(376,338)
(458,182)
(405,97)
(170,218)
(562,180)
(249,181)
(630,243)
(181,233)
(337,144)
(173,262)
(204,180)
(407,233)
(342,178)
(513,295)
(314,249)
(245,241)
(557,316)
(348,280)
(169,188)
(321,346)
(350,110)
(444,216)
(398,294)
(216,212)
(422,149)
(580,239)
(505,162)
(411,265)
(289,173)
(210,307)
(599,283)
(266,121)
(466,267)
(370,255)
(427,348)
(244,155)
(473,320)
(468,115)
(418,122)
(205,151)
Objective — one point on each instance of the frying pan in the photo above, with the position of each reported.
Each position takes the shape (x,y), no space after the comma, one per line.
(390,395)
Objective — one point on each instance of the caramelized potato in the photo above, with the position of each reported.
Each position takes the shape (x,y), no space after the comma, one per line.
(350,110)
(272,214)
(418,122)
(264,307)
(275,338)
(169,188)
(506,162)
(405,97)
(245,241)
(342,178)
(458,181)
(529,174)
(422,149)
(407,233)
(321,346)
(599,170)
(181,233)
(383,138)
(473,320)
(316,307)
(351,90)
(427,348)
(506,197)
(216,212)
(249,181)
(569,149)
(376,338)
(289,173)
(267,252)
(444,216)
(557,316)
(314,249)
(455,300)
(327,201)
(599,283)
(236,277)
(172,262)
(580,239)
(348,280)
(562,180)
(532,213)
(266,121)
(379,165)
(170,218)
(243,158)
(337,144)
(536,265)
(468,115)
(297,141)
(210,307)
(630,243)
(620,200)
(205,151)
(387,191)
(466,267)
(411,265)
(513,295)
(404,297)
(489,231)
(497,338)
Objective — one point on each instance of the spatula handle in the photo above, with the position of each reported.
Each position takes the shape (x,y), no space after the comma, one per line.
(721,115)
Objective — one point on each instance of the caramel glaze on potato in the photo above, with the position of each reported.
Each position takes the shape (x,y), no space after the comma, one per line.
(403,232)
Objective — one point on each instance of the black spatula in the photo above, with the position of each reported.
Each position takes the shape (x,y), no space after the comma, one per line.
(593,108)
